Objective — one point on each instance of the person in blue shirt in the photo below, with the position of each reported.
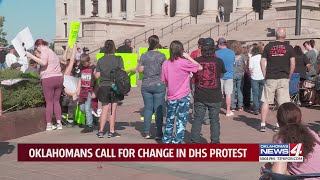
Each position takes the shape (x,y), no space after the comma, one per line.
(228,57)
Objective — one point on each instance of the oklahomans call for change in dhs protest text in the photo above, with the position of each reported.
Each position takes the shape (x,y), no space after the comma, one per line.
(140,153)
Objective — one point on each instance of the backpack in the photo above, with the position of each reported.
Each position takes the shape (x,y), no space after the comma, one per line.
(120,81)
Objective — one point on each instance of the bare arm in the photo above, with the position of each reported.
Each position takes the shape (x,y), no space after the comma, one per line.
(263,66)
(97,75)
(292,66)
(280,168)
(42,62)
(192,60)
(71,63)
(140,69)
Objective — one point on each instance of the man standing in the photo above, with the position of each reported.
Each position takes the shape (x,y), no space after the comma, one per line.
(11,58)
(208,93)
(280,60)
(78,55)
(221,12)
(3,54)
(228,57)
(126,48)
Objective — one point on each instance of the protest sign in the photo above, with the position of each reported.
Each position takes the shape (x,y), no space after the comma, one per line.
(70,83)
(23,41)
(74,31)
(143,50)
(11,82)
(130,61)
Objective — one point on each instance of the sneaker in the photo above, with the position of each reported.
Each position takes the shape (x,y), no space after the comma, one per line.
(51,127)
(100,134)
(240,109)
(94,113)
(255,112)
(233,109)
(262,128)
(87,129)
(115,134)
(59,126)
(276,129)
(147,136)
(230,114)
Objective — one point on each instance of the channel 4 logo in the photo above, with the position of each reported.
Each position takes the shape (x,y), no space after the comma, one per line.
(281,153)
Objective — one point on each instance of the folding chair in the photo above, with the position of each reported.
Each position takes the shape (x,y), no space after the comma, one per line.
(294,89)
(275,176)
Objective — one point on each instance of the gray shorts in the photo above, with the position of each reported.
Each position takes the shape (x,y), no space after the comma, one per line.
(227,86)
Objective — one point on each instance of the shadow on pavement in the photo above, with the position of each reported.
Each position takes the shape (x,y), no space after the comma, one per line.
(315,126)
(6,148)
(251,122)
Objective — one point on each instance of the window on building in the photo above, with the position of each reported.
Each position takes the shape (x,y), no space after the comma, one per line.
(65,9)
(123,5)
(109,6)
(65,30)
(82,7)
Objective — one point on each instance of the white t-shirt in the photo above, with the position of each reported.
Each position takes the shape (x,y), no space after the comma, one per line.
(10,59)
(24,62)
(255,67)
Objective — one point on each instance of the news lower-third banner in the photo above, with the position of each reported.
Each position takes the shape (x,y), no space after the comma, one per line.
(162,152)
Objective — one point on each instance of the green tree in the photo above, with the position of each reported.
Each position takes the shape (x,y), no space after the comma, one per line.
(3,40)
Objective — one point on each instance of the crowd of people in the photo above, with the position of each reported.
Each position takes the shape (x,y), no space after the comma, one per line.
(244,77)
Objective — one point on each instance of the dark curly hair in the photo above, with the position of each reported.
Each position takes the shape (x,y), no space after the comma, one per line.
(291,128)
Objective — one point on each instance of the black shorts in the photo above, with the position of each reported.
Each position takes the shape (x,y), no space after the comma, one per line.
(106,95)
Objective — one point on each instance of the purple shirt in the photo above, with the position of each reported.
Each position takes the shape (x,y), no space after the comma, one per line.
(176,75)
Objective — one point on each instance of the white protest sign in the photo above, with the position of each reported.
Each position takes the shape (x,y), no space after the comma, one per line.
(10,82)
(23,41)
(70,83)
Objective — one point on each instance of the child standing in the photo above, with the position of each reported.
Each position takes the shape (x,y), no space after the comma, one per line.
(86,90)
(176,74)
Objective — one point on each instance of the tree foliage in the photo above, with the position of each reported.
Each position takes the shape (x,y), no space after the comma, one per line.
(3,40)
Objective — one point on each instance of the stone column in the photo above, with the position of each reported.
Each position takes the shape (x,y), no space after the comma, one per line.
(158,8)
(210,7)
(116,8)
(130,9)
(183,8)
(244,5)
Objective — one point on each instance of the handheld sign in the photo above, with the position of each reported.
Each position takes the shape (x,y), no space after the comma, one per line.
(74,31)
(130,61)
(23,41)
(143,50)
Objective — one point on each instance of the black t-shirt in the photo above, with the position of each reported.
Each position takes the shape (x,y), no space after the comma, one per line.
(301,68)
(76,71)
(3,54)
(207,81)
(124,49)
(105,65)
(278,56)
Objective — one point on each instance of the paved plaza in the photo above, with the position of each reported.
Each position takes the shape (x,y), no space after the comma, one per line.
(238,129)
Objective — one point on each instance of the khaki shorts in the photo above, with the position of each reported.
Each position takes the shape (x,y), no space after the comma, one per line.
(278,87)
(227,86)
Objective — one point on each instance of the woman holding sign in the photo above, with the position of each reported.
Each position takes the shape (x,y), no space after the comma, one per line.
(153,89)
(52,81)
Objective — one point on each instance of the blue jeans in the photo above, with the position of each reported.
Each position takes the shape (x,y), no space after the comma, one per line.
(179,108)
(200,112)
(237,88)
(153,98)
(3,66)
(86,108)
(257,88)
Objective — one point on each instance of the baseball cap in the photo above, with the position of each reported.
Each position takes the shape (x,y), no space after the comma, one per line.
(127,41)
(222,40)
(11,47)
(15,65)
(209,42)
